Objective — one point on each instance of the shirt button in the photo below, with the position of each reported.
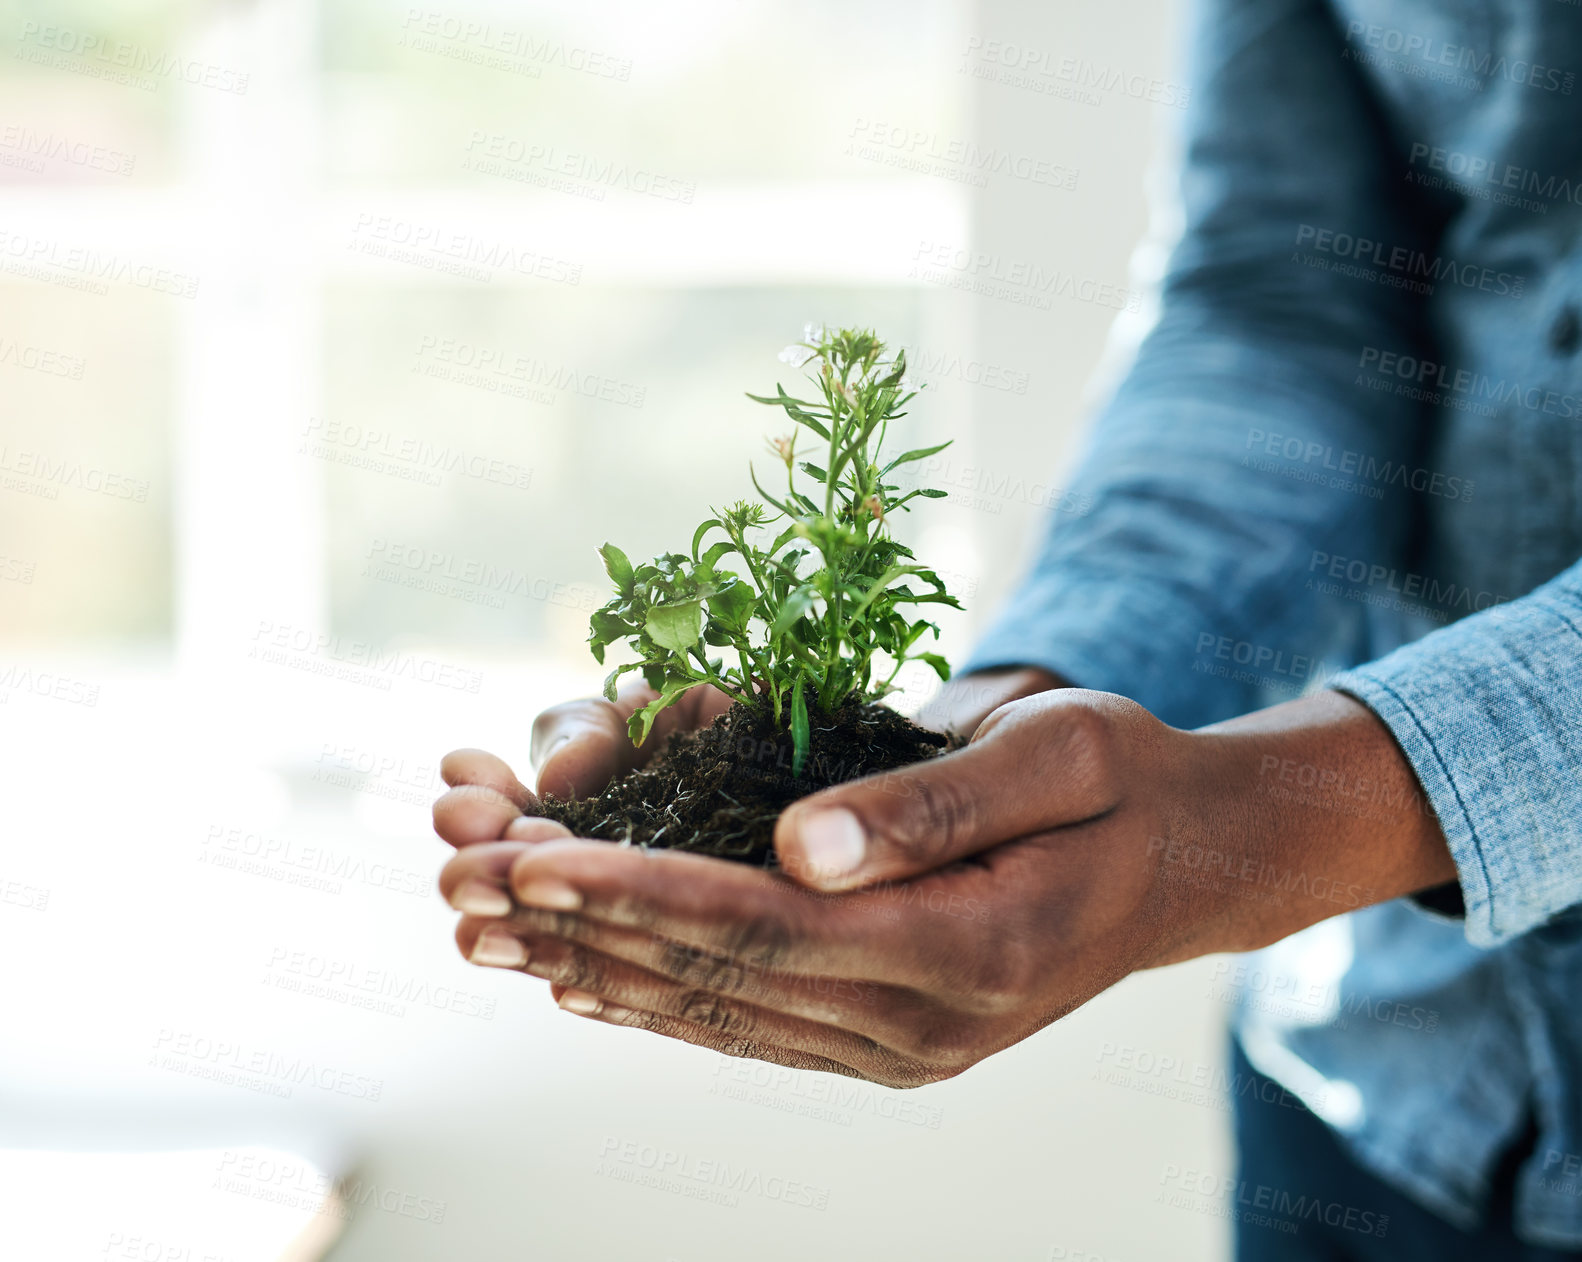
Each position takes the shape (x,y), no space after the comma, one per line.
(1565,334)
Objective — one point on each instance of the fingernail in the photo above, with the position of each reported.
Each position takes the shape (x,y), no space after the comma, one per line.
(478,898)
(497,948)
(833,845)
(549,895)
(555,746)
(580,1002)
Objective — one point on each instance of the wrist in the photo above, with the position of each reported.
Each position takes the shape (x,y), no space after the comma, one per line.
(1310,810)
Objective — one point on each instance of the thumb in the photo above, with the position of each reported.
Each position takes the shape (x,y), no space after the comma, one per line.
(1030,767)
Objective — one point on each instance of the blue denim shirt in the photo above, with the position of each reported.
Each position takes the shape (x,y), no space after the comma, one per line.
(1348,454)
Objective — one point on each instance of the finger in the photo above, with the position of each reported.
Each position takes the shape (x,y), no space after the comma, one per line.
(612,987)
(477,880)
(469,814)
(579,747)
(701,1036)
(477,767)
(1033,765)
(593,985)
(565,948)
(752,917)
(966,700)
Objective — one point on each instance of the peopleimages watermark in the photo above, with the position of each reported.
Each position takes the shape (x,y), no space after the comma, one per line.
(1070,78)
(469,579)
(86,269)
(1248,662)
(1261,1204)
(931,365)
(41,359)
(1400,266)
(1405,592)
(375,989)
(568,171)
(1338,791)
(141,1248)
(347,766)
(33,150)
(50,685)
(20,894)
(1504,183)
(37,473)
(234,1064)
(1205,867)
(1422,56)
(412,459)
(16,570)
(120,61)
(1168,1076)
(990,275)
(1459,389)
(516,375)
(966,161)
(501,48)
(462,254)
(1348,470)
(356,661)
(1249,985)
(818,1096)
(310,866)
(1561,1172)
(987,490)
(300,1186)
(701,1178)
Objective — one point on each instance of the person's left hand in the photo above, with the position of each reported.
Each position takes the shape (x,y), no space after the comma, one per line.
(982,894)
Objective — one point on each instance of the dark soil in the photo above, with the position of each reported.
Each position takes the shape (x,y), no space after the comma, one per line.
(719,790)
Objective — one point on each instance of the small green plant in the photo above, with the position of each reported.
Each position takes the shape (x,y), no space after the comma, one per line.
(826,587)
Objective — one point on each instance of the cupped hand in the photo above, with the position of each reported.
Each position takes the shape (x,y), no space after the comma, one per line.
(977,896)
(903,981)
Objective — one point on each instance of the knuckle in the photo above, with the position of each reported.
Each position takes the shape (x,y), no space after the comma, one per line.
(712,1012)
(943,810)
(1001,980)
(945,1048)
(758,942)
(711,971)
(552,924)
(580,969)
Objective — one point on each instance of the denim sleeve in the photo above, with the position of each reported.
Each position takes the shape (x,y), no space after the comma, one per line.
(1489,713)
(1239,443)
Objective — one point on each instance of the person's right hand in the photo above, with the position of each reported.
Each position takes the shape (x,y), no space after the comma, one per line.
(579,747)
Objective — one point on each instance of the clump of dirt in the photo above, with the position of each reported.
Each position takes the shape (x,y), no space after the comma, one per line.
(718,791)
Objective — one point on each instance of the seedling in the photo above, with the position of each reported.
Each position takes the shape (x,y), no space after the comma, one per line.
(812,600)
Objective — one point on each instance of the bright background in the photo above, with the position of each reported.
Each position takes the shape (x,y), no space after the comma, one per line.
(213,799)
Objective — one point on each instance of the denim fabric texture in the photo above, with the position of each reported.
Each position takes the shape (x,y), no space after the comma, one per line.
(1347,454)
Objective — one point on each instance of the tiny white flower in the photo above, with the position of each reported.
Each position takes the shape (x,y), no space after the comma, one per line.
(796,356)
(813,332)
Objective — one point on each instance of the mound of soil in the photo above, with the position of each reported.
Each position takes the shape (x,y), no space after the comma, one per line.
(718,791)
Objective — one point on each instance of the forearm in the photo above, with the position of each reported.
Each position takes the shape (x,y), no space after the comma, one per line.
(1306,810)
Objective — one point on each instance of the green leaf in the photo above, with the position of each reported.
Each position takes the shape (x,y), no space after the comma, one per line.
(609,680)
(920,454)
(733,602)
(641,723)
(697,535)
(813,471)
(795,605)
(940,665)
(675,627)
(712,556)
(606,628)
(801,731)
(617,567)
